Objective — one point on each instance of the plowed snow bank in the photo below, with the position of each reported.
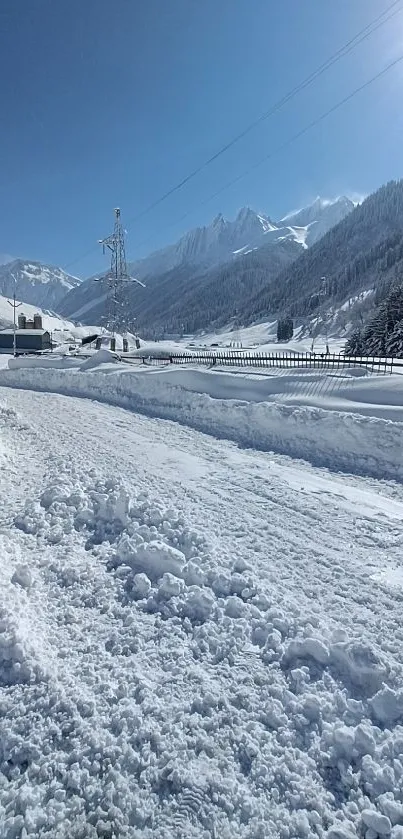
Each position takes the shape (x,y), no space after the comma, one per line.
(341,441)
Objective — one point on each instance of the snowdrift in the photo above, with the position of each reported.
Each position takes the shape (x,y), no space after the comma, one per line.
(339,440)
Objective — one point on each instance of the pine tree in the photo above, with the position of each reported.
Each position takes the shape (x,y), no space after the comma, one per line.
(355,344)
(375,335)
(384,334)
(394,306)
(394,344)
(289,329)
(285,329)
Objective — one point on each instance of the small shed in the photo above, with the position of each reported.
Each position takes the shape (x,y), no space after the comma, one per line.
(27,340)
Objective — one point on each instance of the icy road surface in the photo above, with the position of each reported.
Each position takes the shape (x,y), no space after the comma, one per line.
(195,640)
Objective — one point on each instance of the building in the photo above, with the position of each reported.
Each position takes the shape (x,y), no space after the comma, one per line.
(30,336)
(27,340)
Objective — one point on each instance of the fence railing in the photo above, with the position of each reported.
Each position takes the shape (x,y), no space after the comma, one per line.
(267,360)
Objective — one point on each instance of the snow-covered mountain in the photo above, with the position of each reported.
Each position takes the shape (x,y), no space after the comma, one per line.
(205,248)
(217,242)
(319,217)
(41,285)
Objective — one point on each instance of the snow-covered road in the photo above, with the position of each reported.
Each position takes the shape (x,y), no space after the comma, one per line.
(196,640)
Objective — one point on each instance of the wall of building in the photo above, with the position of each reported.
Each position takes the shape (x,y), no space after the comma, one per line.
(26,342)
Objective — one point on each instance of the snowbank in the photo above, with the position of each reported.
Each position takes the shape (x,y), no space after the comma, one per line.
(56,362)
(103,356)
(59,362)
(341,441)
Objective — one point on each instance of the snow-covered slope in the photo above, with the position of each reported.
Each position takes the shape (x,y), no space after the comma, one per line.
(319,217)
(50,321)
(40,285)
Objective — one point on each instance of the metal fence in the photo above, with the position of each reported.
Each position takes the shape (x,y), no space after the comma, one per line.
(284,360)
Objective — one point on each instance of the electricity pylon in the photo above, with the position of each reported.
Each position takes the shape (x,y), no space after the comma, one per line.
(117,276)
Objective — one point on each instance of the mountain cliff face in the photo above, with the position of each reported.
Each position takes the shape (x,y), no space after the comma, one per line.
(204,249)
(41,285)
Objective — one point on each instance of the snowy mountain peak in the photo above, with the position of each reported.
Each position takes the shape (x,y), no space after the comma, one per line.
(41,285)
(320,216)
(244,213)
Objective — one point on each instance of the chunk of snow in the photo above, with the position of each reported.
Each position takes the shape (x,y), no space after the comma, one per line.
(387,705)
(140,586)
(155,558)
(22,576)
(377,822)
(170,586)
(306,648)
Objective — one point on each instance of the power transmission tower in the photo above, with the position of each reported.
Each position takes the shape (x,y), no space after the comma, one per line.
(116,278)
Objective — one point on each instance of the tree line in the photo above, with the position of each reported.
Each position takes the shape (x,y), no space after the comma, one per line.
(383,335)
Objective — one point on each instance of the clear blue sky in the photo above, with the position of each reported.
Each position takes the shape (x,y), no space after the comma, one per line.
(111,102)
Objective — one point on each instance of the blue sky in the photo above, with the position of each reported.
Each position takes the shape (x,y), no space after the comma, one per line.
(111,102)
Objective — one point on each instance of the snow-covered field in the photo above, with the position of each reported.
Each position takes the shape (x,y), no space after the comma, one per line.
(264,336)
(198,639)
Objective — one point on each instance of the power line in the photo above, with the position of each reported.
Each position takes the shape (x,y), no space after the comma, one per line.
(288,142)
(390,11)
(341,53)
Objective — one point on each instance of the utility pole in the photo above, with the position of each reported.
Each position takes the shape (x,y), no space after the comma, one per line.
(15,306)
(117,276)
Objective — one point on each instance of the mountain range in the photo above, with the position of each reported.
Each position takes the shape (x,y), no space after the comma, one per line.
(360,257)
(246,270)
(180,268)
(222,239)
